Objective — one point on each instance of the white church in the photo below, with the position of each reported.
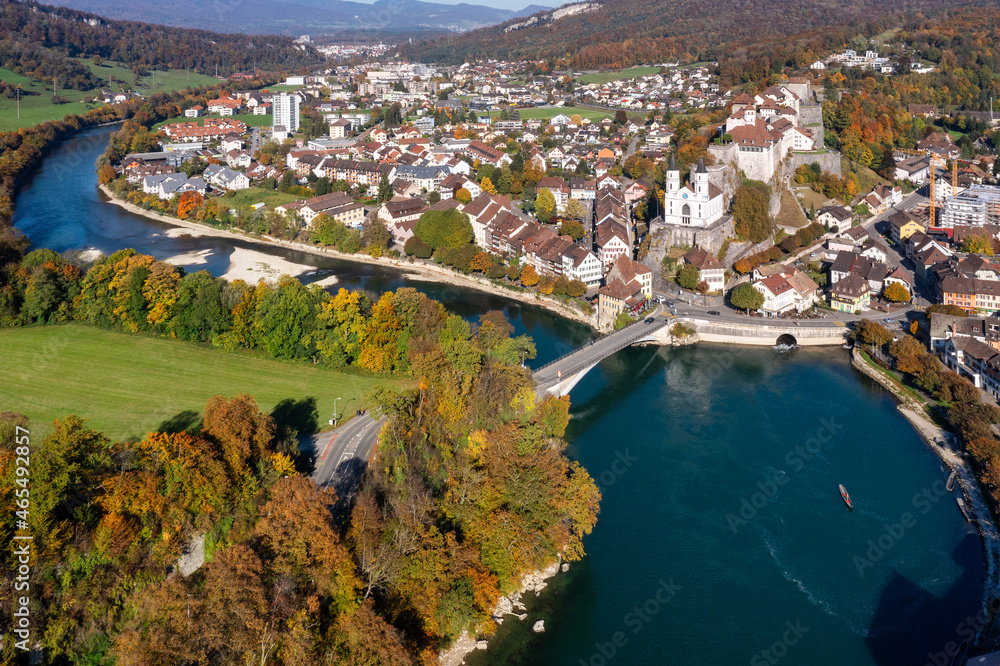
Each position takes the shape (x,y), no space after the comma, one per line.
(697,204)
(693,214)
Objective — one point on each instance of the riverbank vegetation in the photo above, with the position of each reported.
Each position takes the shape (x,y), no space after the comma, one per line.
(951,398)
(135,293)
(470,489)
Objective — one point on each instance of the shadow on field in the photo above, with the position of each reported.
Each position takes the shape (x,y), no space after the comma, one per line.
(186,420)
(302,416)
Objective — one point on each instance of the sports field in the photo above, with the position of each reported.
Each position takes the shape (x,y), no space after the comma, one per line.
(127,385)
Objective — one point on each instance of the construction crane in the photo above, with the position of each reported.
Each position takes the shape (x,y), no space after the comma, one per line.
(934,161)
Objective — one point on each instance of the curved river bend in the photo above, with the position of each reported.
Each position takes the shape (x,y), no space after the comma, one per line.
(722,537)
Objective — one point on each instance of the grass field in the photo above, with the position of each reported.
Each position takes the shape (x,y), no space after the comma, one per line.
(810,197)
(617,74)
(37,106)
(250,119)
(551,112)
(128,385)
(255,195)
(790,215)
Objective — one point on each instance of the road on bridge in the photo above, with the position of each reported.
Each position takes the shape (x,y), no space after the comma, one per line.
(563,368)
(341,455)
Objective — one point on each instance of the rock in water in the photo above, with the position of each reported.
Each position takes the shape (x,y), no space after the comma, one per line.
(539,627)
(565,568)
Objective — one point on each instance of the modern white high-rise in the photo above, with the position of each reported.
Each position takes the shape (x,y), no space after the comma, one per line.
(285,108)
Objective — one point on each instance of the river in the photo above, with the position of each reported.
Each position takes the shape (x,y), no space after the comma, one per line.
(722,537)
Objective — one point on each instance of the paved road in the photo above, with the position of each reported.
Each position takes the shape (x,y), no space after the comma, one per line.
(597,350)
(730,316)
(342,454)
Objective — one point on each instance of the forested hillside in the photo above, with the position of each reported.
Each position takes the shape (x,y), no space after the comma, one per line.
(627,32)
(470,489)
(35,36)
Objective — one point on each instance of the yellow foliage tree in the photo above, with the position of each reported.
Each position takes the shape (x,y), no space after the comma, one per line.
(529,276)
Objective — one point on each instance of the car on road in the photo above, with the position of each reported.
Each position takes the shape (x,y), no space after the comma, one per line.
(888,320)
(649,320)
(714,313)
(670,304)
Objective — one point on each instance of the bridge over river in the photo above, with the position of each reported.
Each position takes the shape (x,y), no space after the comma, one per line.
(558,377)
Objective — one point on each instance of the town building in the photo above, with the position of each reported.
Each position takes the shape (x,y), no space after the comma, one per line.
(285,113)
(710,269)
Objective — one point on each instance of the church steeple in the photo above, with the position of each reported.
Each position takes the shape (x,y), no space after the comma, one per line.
(673,175)
(701,179)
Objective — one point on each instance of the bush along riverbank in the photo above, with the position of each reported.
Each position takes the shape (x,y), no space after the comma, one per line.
(948,413)
(254,226)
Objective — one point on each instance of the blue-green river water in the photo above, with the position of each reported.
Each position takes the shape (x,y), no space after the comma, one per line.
(722,537)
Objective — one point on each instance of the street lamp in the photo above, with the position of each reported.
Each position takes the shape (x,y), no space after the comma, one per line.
(335,412)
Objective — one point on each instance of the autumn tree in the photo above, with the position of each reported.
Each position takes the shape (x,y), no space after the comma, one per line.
(977,244)
(463,196)
(571,228)
(896,292)
(482,262)
(187,202)
(529,276)
(750,212)
(574,210)
(106,174)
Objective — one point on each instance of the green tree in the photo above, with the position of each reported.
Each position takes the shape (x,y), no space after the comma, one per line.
(571,228)
(545,205)
(746,297)
(622,320)
(688,277)
(444,228)
(374,233)
(384,189)
(322,186)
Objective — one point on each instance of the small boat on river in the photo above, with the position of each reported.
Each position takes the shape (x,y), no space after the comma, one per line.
(846,497)
(965,509)
(951,481)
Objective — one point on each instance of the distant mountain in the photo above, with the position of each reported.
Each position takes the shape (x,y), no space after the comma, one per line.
(617,33)
(302,16)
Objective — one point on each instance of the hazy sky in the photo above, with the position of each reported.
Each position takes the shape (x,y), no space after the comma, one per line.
(502,4)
